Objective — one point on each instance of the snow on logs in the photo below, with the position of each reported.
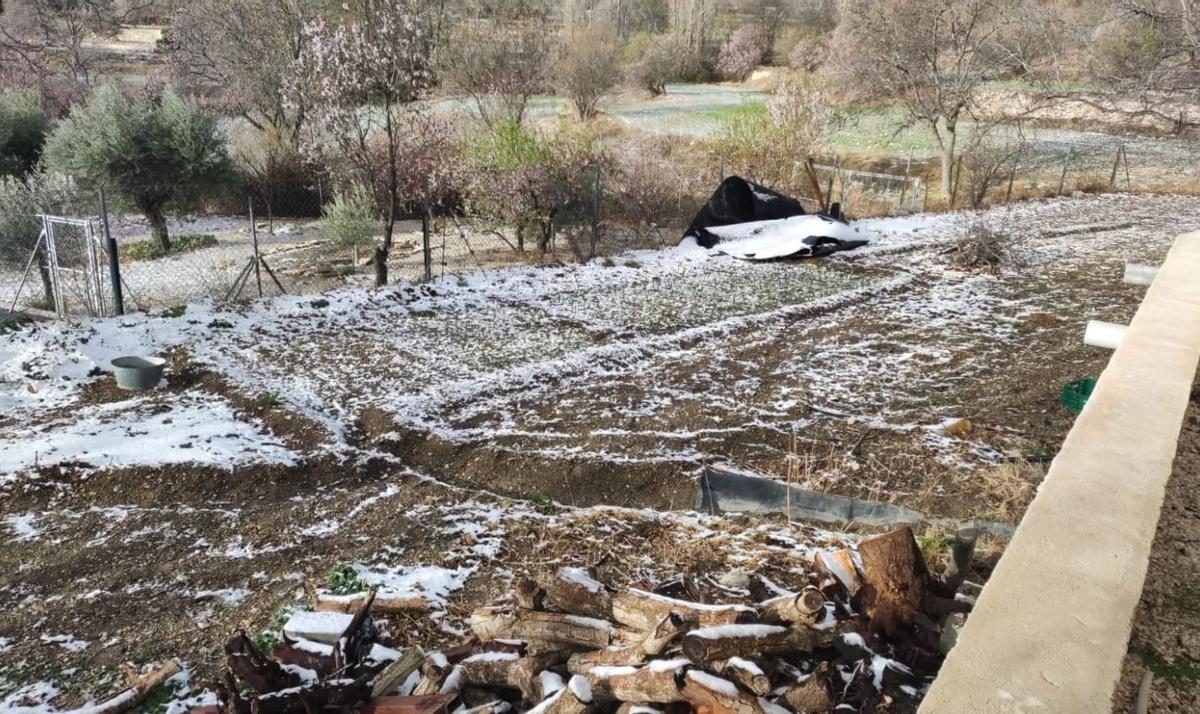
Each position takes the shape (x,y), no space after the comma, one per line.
(565,643)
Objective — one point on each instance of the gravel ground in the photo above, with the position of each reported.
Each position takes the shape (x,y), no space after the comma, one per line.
(1166,629)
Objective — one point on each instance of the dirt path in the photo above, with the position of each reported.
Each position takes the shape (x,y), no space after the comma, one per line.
(1166,629)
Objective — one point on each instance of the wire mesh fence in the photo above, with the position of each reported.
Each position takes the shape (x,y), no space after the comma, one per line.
(265,243)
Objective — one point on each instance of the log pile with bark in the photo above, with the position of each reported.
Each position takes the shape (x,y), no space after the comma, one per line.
(861,636)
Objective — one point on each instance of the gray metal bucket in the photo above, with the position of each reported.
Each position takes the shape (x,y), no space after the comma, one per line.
(138,373)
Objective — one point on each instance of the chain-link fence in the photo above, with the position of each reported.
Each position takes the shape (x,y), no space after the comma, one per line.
(266,242)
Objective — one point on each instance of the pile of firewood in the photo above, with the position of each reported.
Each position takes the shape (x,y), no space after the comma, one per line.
(860,636)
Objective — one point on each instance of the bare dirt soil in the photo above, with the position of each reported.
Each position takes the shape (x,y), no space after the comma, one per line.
(1166,628)
(455,435)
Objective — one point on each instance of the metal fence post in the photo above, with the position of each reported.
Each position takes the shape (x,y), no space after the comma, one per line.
(425,230)
(254,244)
(114,266)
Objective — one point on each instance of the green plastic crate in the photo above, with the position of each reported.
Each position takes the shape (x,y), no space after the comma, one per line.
(1075,394)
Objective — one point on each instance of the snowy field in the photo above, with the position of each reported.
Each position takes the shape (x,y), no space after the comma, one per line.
(438,439)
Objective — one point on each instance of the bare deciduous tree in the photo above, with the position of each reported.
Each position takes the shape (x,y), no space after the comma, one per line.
(587,66)
(238,54)
(499,64)
(360,79)
(929,55)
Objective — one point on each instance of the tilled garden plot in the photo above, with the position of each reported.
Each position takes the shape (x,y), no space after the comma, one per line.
(373,430)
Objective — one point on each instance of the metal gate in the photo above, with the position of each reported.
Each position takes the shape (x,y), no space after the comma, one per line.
(70,255)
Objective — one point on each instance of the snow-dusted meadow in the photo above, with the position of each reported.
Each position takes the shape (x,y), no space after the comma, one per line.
(419,434)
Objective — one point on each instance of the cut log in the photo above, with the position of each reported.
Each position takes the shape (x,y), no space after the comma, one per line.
(656,682)
(806,607)
(529,595)
(895,583)
(497,707)
(317,657)
(573,590)
(434,671)
(746,673)
(811,695)
(643,610)
(639,708)
(432,704)
(717,643)
(350,604)
(575,698)
(838,568)
(503,669)
(396,673)
(548,628)
(710,693)
(655,641)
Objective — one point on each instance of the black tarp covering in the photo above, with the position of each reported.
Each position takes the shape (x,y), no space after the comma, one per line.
(737,200)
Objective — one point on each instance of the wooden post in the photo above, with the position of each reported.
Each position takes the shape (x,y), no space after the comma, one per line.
(832,176)
(1012,174)
(596,212)
(1125,156)
(1112,179)
(1062,180)
(814,183)
(904,184)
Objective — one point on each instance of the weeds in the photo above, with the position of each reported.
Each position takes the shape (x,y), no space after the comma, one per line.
(1181,673)
(14,323)
(176,311)
(270,400)
(319,303)
(151,250)
(542,503)
(343,579)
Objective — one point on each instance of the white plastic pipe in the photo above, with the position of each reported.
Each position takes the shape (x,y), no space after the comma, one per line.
(1137,274)
(1104,334)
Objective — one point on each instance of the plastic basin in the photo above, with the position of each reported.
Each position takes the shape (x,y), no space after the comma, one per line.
(137,373)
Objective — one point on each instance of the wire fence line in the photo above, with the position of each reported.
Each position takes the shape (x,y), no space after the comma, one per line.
(269,243)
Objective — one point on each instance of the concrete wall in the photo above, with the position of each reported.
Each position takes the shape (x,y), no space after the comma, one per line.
(1050,630)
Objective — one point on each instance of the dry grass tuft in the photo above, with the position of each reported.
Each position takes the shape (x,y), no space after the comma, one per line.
(1008,489)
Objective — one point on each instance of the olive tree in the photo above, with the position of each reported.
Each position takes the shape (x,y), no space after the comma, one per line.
(152,152)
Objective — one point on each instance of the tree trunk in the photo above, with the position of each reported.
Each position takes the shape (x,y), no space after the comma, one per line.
(158,228)
(43,264)
(947,145)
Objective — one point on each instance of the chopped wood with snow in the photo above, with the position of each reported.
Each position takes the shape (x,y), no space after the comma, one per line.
(655,641)
(708,692)
(643,610)
(493,623)
(573,590)
(805,607)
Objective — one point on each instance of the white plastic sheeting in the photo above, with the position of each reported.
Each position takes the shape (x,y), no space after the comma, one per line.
(793,237)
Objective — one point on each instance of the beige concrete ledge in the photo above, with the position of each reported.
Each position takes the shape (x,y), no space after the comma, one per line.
(1050,630)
